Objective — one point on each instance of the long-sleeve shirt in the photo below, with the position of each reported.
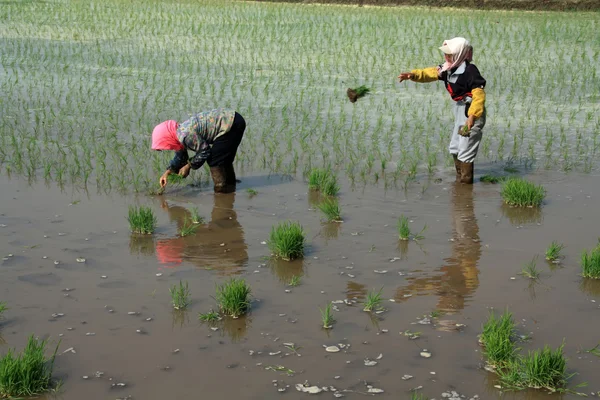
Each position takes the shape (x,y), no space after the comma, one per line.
(198,133)
(461,82)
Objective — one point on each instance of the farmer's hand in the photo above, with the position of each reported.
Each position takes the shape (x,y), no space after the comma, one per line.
(405,76)
(164,177)
(185,170)
(471,121)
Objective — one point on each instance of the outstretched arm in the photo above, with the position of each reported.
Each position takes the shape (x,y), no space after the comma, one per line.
(420,75)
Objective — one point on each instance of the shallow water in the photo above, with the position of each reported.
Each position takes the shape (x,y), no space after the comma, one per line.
(472,248)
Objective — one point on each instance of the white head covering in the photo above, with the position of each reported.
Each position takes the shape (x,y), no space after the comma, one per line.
(459,49)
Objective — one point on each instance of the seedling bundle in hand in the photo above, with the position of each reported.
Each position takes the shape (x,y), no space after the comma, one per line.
(357,93)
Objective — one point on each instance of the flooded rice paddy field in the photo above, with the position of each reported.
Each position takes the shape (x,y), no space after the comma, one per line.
(468,262)
(83,84)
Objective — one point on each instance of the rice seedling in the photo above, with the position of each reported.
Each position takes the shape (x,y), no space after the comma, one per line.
(553,251)
(252,192)
(141,220)
(418,396)
(195,216)
(287,240)
(530,270)
(327,317)
(492,178)
(28,373)
(539,369)
(330,187)
(211,316)
(357,93)
(590,263)
(373,301)
(317,177)
(3,308)
(331,209)
(233,297)
(294,281)
(404,232)
(175,179)
(188,228)
(497,339)
(521,193)
(180,296)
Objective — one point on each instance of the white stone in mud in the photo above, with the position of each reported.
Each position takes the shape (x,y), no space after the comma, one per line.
(308,389)
(425,354)
(332,349)
(375,390)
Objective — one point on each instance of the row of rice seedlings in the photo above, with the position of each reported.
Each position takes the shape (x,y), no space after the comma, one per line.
(233,299)
(538,369)
(28,373)
(404,231)
(324,181)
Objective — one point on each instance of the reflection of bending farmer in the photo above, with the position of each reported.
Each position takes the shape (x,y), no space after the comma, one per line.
(466,87)
(214,135)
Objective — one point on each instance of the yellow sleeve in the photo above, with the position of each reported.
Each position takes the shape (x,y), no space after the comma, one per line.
(424,75)
(478,103)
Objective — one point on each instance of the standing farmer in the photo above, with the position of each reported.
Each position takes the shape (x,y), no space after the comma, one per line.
(214,135)
(466,87)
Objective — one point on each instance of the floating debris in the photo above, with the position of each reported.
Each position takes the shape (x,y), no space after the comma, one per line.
(379,357)
(104,277)
(90,334)
(159,274)
(370,363)
(56,262)
(70,350)
(276,353)
(374,390)
(380,272)
(132,313)
(407,377)
(80,260)
(425,354)
(332,349)
(308,389)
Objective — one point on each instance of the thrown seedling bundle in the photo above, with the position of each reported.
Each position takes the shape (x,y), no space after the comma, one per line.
(357,93)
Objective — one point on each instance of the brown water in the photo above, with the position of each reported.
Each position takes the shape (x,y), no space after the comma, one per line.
(463,267)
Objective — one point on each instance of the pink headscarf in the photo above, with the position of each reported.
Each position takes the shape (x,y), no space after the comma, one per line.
(164,136)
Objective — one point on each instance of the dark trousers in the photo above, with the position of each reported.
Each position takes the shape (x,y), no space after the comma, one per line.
(225,147)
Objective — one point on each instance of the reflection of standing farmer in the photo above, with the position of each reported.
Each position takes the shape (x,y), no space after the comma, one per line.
(214,136)
(466,87)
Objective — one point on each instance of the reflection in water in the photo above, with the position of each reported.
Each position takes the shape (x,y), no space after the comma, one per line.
(331,230)
(522,215)
(286,270)
(355,291)
(459,278)
(218,245)
(141,244)
(180,318)
(234,328)
(590,286)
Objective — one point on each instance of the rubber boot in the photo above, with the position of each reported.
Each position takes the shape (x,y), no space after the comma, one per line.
(219,178)
(457,166)
(466,172)
(230,179)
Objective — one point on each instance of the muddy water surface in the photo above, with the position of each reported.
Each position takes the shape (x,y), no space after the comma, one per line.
(472,249)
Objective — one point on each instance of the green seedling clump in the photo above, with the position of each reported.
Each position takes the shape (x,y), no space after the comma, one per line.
(327,317)
(492,178)
(521,193)
(331,209)
(294,281)
(590,264)
(180,296)
(404,232)
(195,216)
(189,228)
(374,301)
(530,270)
(553,251)
(323,180)
(234,297)
(252,192)
(141,220)
(287,241)
(357,93)
(3,308)
(211,316)
(497,339)
(26,374)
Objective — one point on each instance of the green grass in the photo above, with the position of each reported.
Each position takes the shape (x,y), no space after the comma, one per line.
(404,232)
(327,317)
(28,373)
(521,193)
(324,181)
(141,220)
(234,297)
(373,301)
(418,396)
(195,216)
(539,369)
(180,296)
(3,308)
(252,192)
(331,210)
(590,264)
(211,316)
(287,240)
(294,281)
(530,270)
(497,339)
(553,251)
(188,228)
(330,187)
(493,178)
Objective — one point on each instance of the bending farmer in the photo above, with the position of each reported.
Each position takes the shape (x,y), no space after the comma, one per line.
(214,135)
(466,87)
